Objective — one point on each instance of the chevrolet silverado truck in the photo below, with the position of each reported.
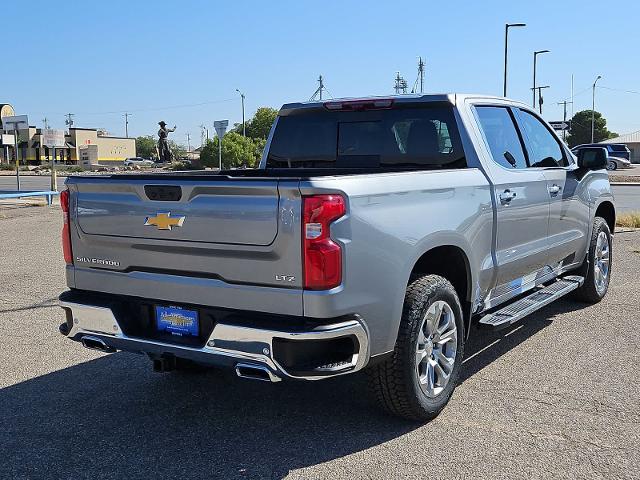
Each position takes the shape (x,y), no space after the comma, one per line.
(376,233)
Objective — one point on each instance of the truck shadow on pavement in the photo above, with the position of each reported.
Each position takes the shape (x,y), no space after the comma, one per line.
(113,418)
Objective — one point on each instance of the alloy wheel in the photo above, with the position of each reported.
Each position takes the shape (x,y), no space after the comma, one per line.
(436,348)
(602,262)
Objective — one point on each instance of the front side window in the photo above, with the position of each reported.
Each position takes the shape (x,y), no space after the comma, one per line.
(544,150)
(502,136)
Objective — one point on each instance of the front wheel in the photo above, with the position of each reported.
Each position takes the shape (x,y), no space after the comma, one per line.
(612,165)
(418,379)
(598,266)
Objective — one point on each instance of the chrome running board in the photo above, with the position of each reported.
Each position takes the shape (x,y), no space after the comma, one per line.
(519,309)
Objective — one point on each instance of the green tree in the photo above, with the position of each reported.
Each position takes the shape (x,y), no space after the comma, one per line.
(581,128)
(259,125)
(237,151)
(178,151)
(146,146)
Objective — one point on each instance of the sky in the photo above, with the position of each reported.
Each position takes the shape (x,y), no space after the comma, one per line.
(183,61)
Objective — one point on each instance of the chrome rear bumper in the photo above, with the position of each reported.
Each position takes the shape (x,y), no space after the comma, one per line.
(228,345)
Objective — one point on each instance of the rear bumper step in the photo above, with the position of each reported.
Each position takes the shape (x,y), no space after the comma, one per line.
(519,309)
(248,350)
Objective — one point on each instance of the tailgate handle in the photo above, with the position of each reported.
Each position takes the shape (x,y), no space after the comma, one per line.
(163,193)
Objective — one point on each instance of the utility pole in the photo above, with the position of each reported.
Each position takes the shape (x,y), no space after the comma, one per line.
(204,134)
(126,124)
(69,120)
(419,78)
(535,55)
(506,51)
(540,100)
(400,85)
(244,129)
(319,90)
(564,117)
(188,135)
(593,109)
(45,120)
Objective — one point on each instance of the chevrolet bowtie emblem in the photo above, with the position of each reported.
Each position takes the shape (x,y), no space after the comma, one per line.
(164,221)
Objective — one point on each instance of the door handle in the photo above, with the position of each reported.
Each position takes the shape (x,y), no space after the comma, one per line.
(507,196)
(554,190)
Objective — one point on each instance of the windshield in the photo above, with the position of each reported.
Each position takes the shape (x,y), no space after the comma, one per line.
(424,137)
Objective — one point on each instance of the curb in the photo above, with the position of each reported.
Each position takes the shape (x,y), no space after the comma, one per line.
(630,184)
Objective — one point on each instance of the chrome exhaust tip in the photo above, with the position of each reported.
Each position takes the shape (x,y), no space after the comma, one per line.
(95,343)
(256,372)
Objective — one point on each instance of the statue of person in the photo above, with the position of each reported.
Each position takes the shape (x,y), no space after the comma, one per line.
(163,142)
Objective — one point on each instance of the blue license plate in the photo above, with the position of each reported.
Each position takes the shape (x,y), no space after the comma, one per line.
(177,321)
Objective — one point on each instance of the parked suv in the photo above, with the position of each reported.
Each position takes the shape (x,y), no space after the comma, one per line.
(619,154)
(377,233)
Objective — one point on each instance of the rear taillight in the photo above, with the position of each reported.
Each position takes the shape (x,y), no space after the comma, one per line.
(66,231)
(322,256)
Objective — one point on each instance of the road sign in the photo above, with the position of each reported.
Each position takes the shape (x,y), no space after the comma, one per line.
(221,127)
(7,139)
(15,122)
(561,126)
(53,138)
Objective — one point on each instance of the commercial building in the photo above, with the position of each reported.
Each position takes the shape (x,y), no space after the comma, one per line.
(83,146)
(632,141)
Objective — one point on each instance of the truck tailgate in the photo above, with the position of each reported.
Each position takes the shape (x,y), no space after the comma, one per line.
(224,212)
(236,230)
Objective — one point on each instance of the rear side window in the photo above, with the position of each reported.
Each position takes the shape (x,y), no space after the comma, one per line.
(544,150)
(502,136)
(424,138)
(618,148)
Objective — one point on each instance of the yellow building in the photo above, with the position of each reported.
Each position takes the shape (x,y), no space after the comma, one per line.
(89,143)
(110,150)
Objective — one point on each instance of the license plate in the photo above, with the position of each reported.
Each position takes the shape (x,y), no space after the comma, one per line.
(177,321)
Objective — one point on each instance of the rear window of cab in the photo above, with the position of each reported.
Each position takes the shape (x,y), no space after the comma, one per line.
(424,138)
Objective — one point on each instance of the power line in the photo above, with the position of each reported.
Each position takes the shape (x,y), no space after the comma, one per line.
(154,109)
(619,90)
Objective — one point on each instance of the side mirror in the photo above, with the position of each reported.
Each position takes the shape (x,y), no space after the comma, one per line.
(593,158)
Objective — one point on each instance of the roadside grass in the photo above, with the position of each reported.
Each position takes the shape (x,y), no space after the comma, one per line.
(629,220)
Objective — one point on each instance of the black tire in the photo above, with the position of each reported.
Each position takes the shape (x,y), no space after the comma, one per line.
(612,166)
(394,382)
(589,292)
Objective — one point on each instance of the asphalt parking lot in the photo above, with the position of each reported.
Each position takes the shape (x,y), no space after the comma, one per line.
(555,397)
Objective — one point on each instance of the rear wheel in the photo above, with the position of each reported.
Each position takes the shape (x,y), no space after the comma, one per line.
(418,379)
(612,165)
(598,267)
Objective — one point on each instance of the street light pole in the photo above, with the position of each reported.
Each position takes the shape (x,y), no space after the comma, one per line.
(506,51)
(244,130)
(593,109)
(535,56)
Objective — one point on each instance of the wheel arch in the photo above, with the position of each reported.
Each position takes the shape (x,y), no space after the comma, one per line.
(452,262)
(607,210)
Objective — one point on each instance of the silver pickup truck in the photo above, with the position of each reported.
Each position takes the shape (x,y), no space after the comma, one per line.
(377,233)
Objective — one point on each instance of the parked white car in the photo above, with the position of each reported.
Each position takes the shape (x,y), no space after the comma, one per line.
(138,162)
